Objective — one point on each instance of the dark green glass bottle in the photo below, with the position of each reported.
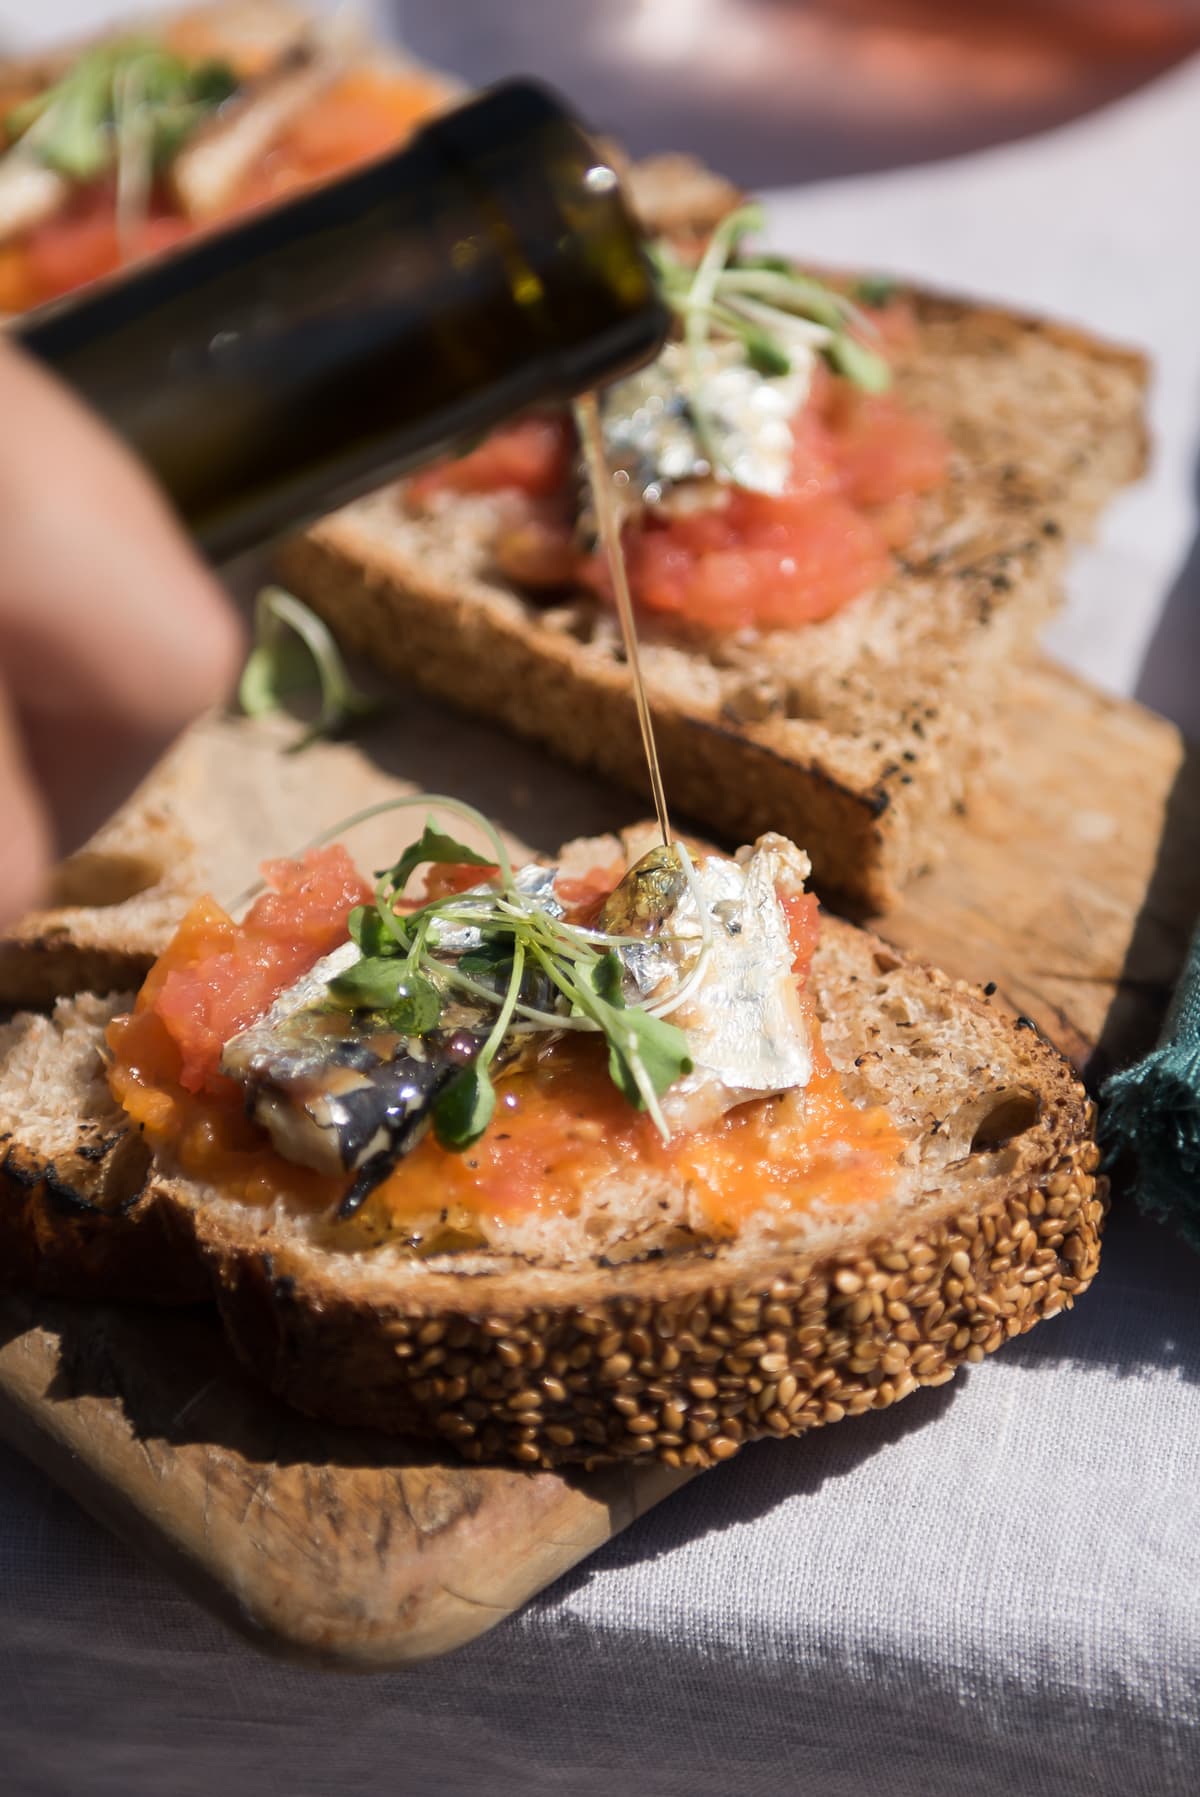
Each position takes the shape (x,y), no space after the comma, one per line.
(279,367)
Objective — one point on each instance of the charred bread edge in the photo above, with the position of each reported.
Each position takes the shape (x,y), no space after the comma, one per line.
(93,1227)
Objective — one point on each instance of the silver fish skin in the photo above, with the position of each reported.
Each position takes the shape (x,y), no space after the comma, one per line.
(534,881)
(334,1091)
(746,1028)
(264,1042)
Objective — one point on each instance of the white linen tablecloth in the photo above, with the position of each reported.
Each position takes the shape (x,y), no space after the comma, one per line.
(992,1589)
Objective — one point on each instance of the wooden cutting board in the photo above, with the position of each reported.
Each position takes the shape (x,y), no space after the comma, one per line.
(1072,882)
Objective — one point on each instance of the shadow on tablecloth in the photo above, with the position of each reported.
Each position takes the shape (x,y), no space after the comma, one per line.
(1141,1315)
(1169,680)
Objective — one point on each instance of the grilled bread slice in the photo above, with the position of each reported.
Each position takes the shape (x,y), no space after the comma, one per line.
(553,1356)
(855,735)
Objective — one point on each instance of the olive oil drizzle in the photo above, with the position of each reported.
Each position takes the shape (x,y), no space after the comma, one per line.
(587,419)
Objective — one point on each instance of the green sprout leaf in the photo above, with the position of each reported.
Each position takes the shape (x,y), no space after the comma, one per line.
(274,673)
(295,652)
(860,365)
(384,983)
(468,1104)
(370,985)
(644,1049)
(762,351)
(607,979)
(875,290)
(370,934)
(434,846)
(417,1006)
(133,97)
(490,960)
(646,1054)
(602,981)
(465,1108)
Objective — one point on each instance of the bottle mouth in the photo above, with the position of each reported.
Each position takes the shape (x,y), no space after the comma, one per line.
(573,254)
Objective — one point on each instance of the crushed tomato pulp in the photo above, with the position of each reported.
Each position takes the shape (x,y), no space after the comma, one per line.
(860,462)
(561,1126)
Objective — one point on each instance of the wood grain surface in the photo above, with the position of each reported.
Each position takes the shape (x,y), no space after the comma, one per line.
(1072,882)
(336,1545)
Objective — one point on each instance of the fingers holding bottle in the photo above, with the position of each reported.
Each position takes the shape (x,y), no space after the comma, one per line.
(113,633)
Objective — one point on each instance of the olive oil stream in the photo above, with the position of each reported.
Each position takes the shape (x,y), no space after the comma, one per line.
(587,419)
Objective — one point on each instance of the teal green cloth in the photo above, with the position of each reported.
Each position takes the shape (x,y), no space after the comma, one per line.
(1152,1110)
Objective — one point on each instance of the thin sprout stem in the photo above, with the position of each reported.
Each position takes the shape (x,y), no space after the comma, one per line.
(549,932)
(133,157)
(696,306)
(542,1019)
(790,327)
(549,927)
(439,801)
(568,987)
(716,255)
(500,1027)
(390,917)
(642,1081)
(797,293)
(574,939)
(790,293)
(581,932)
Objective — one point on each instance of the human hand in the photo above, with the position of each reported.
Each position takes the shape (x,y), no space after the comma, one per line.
(113,634)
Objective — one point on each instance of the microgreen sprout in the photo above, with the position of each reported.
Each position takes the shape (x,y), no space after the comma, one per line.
(295,650)
(119,105)
(538,971)
(766,306)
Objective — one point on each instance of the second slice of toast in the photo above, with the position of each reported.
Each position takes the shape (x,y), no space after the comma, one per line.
(856,735)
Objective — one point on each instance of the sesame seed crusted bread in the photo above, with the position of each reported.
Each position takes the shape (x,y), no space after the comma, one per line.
(685,1353)
(855,735)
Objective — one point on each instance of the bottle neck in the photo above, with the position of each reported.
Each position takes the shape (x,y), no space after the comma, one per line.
(280,367)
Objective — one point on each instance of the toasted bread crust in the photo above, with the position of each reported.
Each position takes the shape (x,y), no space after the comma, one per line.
(79,1214)
(688,1375)
(861,758)
(92,1225)
(56,1241)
